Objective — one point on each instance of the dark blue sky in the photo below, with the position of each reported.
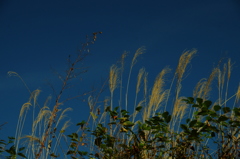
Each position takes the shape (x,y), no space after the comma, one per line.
(36,36)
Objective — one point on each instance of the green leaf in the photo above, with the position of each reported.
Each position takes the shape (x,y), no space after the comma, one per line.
(208,118)
(12,150)
(70,152)
(22,155)
(226,109)
(145,127)
(138,108)
(207,103)
(22,148)
(236,111)
(53,155)
(75,135)
(81,123)
(98,141)
(3,142)
(204,112)
(222,118)
(116,108)
(166,116)
(82,153)
(128,123)
(112,123)
(192,123)
(184,127)
(168,119)
(199,100)
(199,124)
(108,109)
(217,107)
(196,105)
(190,100)
(213,114)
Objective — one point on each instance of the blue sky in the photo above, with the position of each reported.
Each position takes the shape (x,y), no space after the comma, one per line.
(37,36)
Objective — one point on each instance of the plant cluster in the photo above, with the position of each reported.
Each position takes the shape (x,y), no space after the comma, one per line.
(154,127)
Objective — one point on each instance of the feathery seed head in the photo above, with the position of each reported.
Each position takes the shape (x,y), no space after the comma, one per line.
(113,78)
(184,60)
(139,79)
(138,52)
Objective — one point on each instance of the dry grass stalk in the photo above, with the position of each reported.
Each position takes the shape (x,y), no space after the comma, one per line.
(238,93)
(199,88)
(113,78)
(139,51)
(179,111)
(139,79)
(208,88)
(157,94)
(183,62)
(124,55)
(229,69)
(134,60)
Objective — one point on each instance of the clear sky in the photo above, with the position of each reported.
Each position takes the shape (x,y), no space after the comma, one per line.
(36,36)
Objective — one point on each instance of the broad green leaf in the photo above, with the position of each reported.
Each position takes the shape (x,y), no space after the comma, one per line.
(184,127)
(190,100)
(98,141)
(192,123)
(236,111)
(207,103)
(222,118)
(166,116)
(196,105)
(208,118)
(138,108)
(168,119)
(203,113)
(199,100)
(226,109)
(217,107)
